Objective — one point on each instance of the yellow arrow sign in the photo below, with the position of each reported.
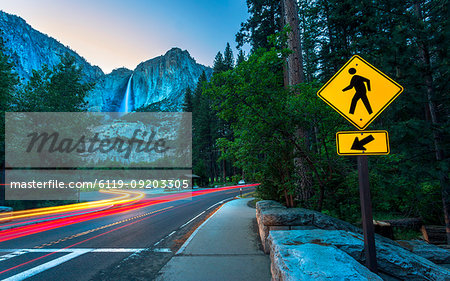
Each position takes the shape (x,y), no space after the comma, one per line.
(359,92)
(362,143)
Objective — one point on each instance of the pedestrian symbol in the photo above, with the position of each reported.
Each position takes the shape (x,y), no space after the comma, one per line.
(359,92)
(357,82)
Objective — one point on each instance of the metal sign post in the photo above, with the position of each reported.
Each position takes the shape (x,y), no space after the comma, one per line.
(366,211)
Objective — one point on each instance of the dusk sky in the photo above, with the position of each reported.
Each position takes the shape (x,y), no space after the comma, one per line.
(115,33)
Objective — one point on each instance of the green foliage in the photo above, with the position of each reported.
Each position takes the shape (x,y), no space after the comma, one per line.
(218,64)
(265,18)
(228,59)
(55,90)
(8,78)
(188,105)
(407,40)
(8,83)
(254,108)
(241,57)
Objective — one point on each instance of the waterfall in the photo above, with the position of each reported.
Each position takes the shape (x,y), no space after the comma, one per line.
(125,106)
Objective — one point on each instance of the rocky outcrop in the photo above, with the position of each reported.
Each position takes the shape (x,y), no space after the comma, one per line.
(161,82)
(312,262)
(286,231)
(429,251)
(166,78)
(109,91)
(31,49)
(393,261)
(158,83)
(271,215)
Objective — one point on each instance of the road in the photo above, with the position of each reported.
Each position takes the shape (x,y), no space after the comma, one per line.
(77,244)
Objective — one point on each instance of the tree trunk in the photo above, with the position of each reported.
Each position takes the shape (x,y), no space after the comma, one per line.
(224,171)
(294,61)
(439,154)
(294,76)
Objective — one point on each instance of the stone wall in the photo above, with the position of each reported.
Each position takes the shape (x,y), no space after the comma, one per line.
(285,232)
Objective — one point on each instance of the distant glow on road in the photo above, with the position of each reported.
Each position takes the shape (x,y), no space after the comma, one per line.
(133,204)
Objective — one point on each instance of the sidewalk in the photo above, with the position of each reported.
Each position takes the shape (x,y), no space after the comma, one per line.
(225,247)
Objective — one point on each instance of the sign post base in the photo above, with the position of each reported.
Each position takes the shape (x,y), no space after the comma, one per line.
(366,212)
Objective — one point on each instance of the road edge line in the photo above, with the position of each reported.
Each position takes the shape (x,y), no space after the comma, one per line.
(186,243)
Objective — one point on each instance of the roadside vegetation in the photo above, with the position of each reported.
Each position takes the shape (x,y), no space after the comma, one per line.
(246,118)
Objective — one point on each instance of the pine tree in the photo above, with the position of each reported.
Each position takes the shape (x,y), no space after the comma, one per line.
(265,20)
(188,105)
(60,89)
(8,82)
(203,139)
(219,64)
(228,60)
(8,78)
(240,57)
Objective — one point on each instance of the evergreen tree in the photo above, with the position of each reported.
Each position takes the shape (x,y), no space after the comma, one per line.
(55,90)
(265,20)
(228,60)
(203,139)
(407,40)
(8,78)
(219,64)
(8,82)
(240,57)
(188,105)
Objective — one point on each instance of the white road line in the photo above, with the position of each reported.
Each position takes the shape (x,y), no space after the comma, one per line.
(72,253)
(193,219)
(38,269)
(192,236)
(118,250)
(172,233)
(220,202)
(214,205)
(13,254)
(162,250)
(156,244)
(183,247)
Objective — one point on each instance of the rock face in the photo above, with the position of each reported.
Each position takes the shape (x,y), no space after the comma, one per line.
(393,261)
(428,251)
(31,49)
(271,215)
(158,84)
(109,91)
(312,262)
(160,81)
(285,232)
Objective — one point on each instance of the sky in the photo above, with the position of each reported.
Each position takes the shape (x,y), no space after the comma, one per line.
(119,33)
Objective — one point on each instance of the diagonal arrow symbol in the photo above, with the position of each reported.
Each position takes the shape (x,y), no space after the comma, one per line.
(359,144)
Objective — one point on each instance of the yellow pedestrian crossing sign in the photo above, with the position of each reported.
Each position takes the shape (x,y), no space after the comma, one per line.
(362,143)
(359,92)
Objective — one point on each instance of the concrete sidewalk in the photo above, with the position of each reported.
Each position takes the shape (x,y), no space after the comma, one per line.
(225,247)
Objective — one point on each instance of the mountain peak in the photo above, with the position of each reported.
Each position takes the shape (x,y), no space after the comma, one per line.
(175,51)
(31,49)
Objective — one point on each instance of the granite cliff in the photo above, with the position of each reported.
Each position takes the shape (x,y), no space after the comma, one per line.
(159,82)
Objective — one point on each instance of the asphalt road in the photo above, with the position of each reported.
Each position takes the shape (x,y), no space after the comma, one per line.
(80,250)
